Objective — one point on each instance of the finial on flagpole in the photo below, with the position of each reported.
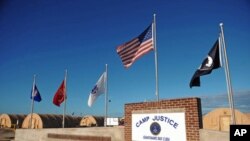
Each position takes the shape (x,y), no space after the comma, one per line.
(221,24)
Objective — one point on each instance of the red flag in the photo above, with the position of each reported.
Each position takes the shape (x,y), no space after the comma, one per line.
(59,95)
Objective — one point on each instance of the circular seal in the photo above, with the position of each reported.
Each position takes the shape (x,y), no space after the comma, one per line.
(155,128)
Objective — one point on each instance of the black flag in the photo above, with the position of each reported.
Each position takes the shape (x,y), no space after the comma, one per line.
(211,62)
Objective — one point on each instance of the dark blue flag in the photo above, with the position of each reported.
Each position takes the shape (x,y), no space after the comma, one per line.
(35,94)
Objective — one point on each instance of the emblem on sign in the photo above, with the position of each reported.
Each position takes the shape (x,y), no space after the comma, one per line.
(155,128)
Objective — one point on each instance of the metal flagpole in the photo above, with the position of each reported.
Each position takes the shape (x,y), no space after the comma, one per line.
(65,98)
(156,59)
(106,96)
(32,102)
(227,73)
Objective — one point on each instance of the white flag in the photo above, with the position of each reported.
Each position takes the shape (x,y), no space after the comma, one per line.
(98,89)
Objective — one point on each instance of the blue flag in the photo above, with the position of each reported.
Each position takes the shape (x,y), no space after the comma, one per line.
(36,94)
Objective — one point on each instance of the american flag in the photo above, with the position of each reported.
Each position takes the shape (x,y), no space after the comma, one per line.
(137,47)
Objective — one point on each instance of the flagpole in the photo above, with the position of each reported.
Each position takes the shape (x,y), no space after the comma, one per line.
(106,96)
(65,98)
(156,59)
(32,102)
(228,80)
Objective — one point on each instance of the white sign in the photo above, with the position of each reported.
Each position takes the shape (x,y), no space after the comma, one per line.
(112,121)
(158,126)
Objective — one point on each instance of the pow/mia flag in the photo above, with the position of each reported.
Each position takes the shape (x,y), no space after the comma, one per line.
(212,61)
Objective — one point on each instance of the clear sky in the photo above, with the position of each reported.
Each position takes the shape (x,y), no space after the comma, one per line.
(45,37)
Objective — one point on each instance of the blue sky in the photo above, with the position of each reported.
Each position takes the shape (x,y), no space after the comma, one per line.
(45,37)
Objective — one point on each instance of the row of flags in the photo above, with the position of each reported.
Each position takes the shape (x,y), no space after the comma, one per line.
(129,52)
(132,50)
(60,94)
